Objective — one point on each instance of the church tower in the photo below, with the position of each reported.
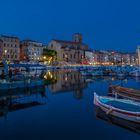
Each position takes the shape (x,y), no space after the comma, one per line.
(77,37)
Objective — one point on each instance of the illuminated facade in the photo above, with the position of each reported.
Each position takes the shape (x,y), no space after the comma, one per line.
(1,49)
(30,50)
(101,57)
(89,56)
(69,51)
(10,47)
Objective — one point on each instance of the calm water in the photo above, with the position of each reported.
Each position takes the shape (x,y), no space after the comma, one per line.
(63,109)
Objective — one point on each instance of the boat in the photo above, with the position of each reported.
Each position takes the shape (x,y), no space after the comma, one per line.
(124,92)
(121,74)
(8,85)
(111,120)
(121,108)
(135,73)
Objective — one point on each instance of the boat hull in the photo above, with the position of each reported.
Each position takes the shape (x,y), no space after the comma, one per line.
(127,93)
(109,110)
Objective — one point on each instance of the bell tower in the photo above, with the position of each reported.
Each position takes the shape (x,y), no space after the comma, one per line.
(77,37)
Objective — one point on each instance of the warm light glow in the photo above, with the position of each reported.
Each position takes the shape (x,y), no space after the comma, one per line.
(5,51)
(44,57)
(48,75)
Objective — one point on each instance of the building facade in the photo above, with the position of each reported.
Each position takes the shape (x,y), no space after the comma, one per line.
(30,50)
(89,56)
(10,48)
(69,51)
(101,57)
(1,49)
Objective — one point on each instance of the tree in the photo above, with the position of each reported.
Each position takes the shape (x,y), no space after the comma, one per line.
(49,55)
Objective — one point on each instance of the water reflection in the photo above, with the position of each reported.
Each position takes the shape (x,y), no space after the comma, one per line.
(17,99)
(62,107)
(132,126)
(66,80)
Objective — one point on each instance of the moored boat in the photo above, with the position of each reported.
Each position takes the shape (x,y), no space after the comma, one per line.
(124,92)
(121,108)
(8,85)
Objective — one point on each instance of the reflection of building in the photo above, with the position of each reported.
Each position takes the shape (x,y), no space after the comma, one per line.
(68,80)
(69,51)
(30,50)
(10,48)
(13,100)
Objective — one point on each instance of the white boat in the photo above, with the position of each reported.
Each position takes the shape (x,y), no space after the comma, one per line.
(135,73)
(120,74)
(124,109)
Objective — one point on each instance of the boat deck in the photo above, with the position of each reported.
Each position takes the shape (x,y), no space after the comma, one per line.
(123,105)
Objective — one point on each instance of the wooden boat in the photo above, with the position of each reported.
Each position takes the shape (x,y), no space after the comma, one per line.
(129,125)
(124,109)
(128,93)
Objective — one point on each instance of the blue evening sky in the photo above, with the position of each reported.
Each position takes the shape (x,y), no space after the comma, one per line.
(105,24)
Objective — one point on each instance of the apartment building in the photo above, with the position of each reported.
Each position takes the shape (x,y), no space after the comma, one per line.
(10,48)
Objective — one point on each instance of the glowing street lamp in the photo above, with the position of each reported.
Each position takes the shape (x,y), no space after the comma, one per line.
(5,54)
(5,51)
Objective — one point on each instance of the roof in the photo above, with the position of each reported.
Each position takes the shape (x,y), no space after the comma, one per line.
(9,36)
(33,41)
(68,42)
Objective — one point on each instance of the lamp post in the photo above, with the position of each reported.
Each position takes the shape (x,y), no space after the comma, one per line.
(5,54)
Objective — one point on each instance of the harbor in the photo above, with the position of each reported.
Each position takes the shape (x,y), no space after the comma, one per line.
(70,70)
(64,104)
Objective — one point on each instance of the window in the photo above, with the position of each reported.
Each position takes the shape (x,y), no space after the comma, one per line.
(74,55)
(63,55)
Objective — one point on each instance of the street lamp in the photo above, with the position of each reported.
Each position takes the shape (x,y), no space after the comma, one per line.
(5,53)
